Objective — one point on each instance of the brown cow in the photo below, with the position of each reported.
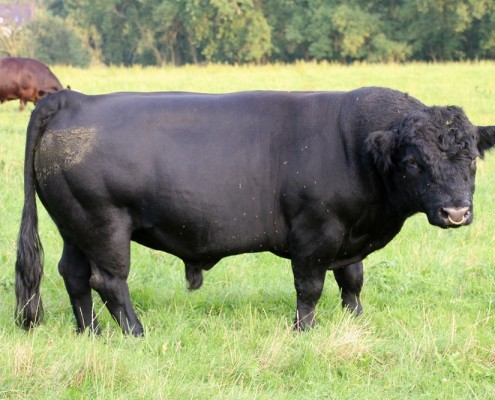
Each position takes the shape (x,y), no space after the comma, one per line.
(25,79)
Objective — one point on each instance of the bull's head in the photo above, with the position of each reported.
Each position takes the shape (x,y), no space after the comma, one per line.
(430,160)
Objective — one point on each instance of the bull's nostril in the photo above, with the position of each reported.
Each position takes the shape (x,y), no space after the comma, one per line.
(456,216)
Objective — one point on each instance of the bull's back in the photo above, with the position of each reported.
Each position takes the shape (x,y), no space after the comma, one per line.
(209,142)
(205,168)
(188,142)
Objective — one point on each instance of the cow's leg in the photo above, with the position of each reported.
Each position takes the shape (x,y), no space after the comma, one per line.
(309,285)
(110,264)
(350,281)
(76,271)
(22,104)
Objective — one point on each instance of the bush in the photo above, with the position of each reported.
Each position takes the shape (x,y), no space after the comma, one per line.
(54,40)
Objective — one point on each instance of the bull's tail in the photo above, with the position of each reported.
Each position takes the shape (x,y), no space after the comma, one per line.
(29,263)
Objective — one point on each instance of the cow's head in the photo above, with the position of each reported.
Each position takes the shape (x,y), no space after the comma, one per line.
(429,161)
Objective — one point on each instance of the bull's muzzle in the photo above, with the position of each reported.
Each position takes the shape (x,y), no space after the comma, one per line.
(456,216)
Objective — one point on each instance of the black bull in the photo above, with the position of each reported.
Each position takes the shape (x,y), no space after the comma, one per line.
(322,179)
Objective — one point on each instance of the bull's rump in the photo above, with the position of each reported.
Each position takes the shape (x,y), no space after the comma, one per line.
(194,173)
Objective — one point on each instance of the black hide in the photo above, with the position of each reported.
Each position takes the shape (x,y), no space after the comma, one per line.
(322,179)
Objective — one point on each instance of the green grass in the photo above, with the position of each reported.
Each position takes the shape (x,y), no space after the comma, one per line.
(428,331)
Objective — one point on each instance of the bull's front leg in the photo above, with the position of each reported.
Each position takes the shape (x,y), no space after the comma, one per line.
(350,281)
(309,281)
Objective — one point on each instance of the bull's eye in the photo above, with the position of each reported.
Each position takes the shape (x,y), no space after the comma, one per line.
(411,164)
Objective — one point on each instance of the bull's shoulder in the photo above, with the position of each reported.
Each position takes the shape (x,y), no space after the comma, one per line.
(379,97)
(370,109)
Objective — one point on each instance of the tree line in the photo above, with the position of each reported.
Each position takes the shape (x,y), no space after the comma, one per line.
(158,32)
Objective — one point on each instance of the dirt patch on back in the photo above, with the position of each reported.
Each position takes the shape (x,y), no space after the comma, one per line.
(59,151)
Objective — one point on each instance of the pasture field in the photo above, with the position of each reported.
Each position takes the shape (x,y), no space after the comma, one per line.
(428,328)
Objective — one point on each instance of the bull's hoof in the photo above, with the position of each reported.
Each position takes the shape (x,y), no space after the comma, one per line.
(303,324)
(352,304)
(354,309)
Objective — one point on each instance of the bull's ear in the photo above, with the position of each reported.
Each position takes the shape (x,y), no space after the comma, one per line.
(381,145)
(486,138)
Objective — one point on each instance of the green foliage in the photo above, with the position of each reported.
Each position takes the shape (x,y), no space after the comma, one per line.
(448,29)
(359,36)
(236,32)
(11,43)
(53,40)
(157,32)
(113,27)
(154,32)
(335,30)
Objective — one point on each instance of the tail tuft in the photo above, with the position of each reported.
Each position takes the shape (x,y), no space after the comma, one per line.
(29,262)
(29,270)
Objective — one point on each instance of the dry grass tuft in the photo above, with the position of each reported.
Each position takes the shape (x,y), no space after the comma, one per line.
(274,350)
(23,360)
(348,338)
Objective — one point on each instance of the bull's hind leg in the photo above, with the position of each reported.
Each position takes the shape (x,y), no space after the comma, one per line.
(110,264)
(350,281)
(76,271)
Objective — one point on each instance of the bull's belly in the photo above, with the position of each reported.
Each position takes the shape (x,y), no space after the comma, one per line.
(209,244)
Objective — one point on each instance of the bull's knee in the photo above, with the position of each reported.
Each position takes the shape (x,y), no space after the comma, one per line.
(110,287)
(97,282)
